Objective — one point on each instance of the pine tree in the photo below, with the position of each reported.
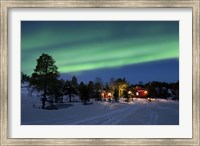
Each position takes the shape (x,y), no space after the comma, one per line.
(44,76)
(83,92)
(116,95)
(98,86)
(91,89)
(74,83)
(57,90)
(24,78)
(125,95)
(71,88)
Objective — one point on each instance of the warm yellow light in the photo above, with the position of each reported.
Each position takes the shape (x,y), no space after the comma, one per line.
(109,94)
(145,92)
(129,92)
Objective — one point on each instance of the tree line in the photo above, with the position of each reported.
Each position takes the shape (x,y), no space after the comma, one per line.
(46,80)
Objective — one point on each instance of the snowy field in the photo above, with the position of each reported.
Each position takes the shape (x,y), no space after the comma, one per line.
(139,112)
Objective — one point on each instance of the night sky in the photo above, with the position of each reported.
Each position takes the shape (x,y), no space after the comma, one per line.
(137,50)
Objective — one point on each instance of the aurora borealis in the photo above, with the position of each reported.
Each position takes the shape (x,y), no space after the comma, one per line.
(104,48)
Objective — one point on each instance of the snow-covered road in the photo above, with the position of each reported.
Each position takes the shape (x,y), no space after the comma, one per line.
(111,117)
(136,114)
(139,112)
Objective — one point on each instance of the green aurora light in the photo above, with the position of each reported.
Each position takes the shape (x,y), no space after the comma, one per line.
(77,47)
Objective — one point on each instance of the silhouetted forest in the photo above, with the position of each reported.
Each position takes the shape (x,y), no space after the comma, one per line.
(46,81)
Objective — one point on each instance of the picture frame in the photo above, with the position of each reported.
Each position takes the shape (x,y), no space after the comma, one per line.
(4,89)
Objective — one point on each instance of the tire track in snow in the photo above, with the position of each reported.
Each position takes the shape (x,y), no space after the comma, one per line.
(153,115)
(112,117)
(116,119)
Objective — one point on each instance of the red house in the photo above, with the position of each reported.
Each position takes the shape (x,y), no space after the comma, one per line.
(140,92)
(105,94)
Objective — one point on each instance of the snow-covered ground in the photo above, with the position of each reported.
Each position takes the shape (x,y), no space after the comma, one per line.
(139,112)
